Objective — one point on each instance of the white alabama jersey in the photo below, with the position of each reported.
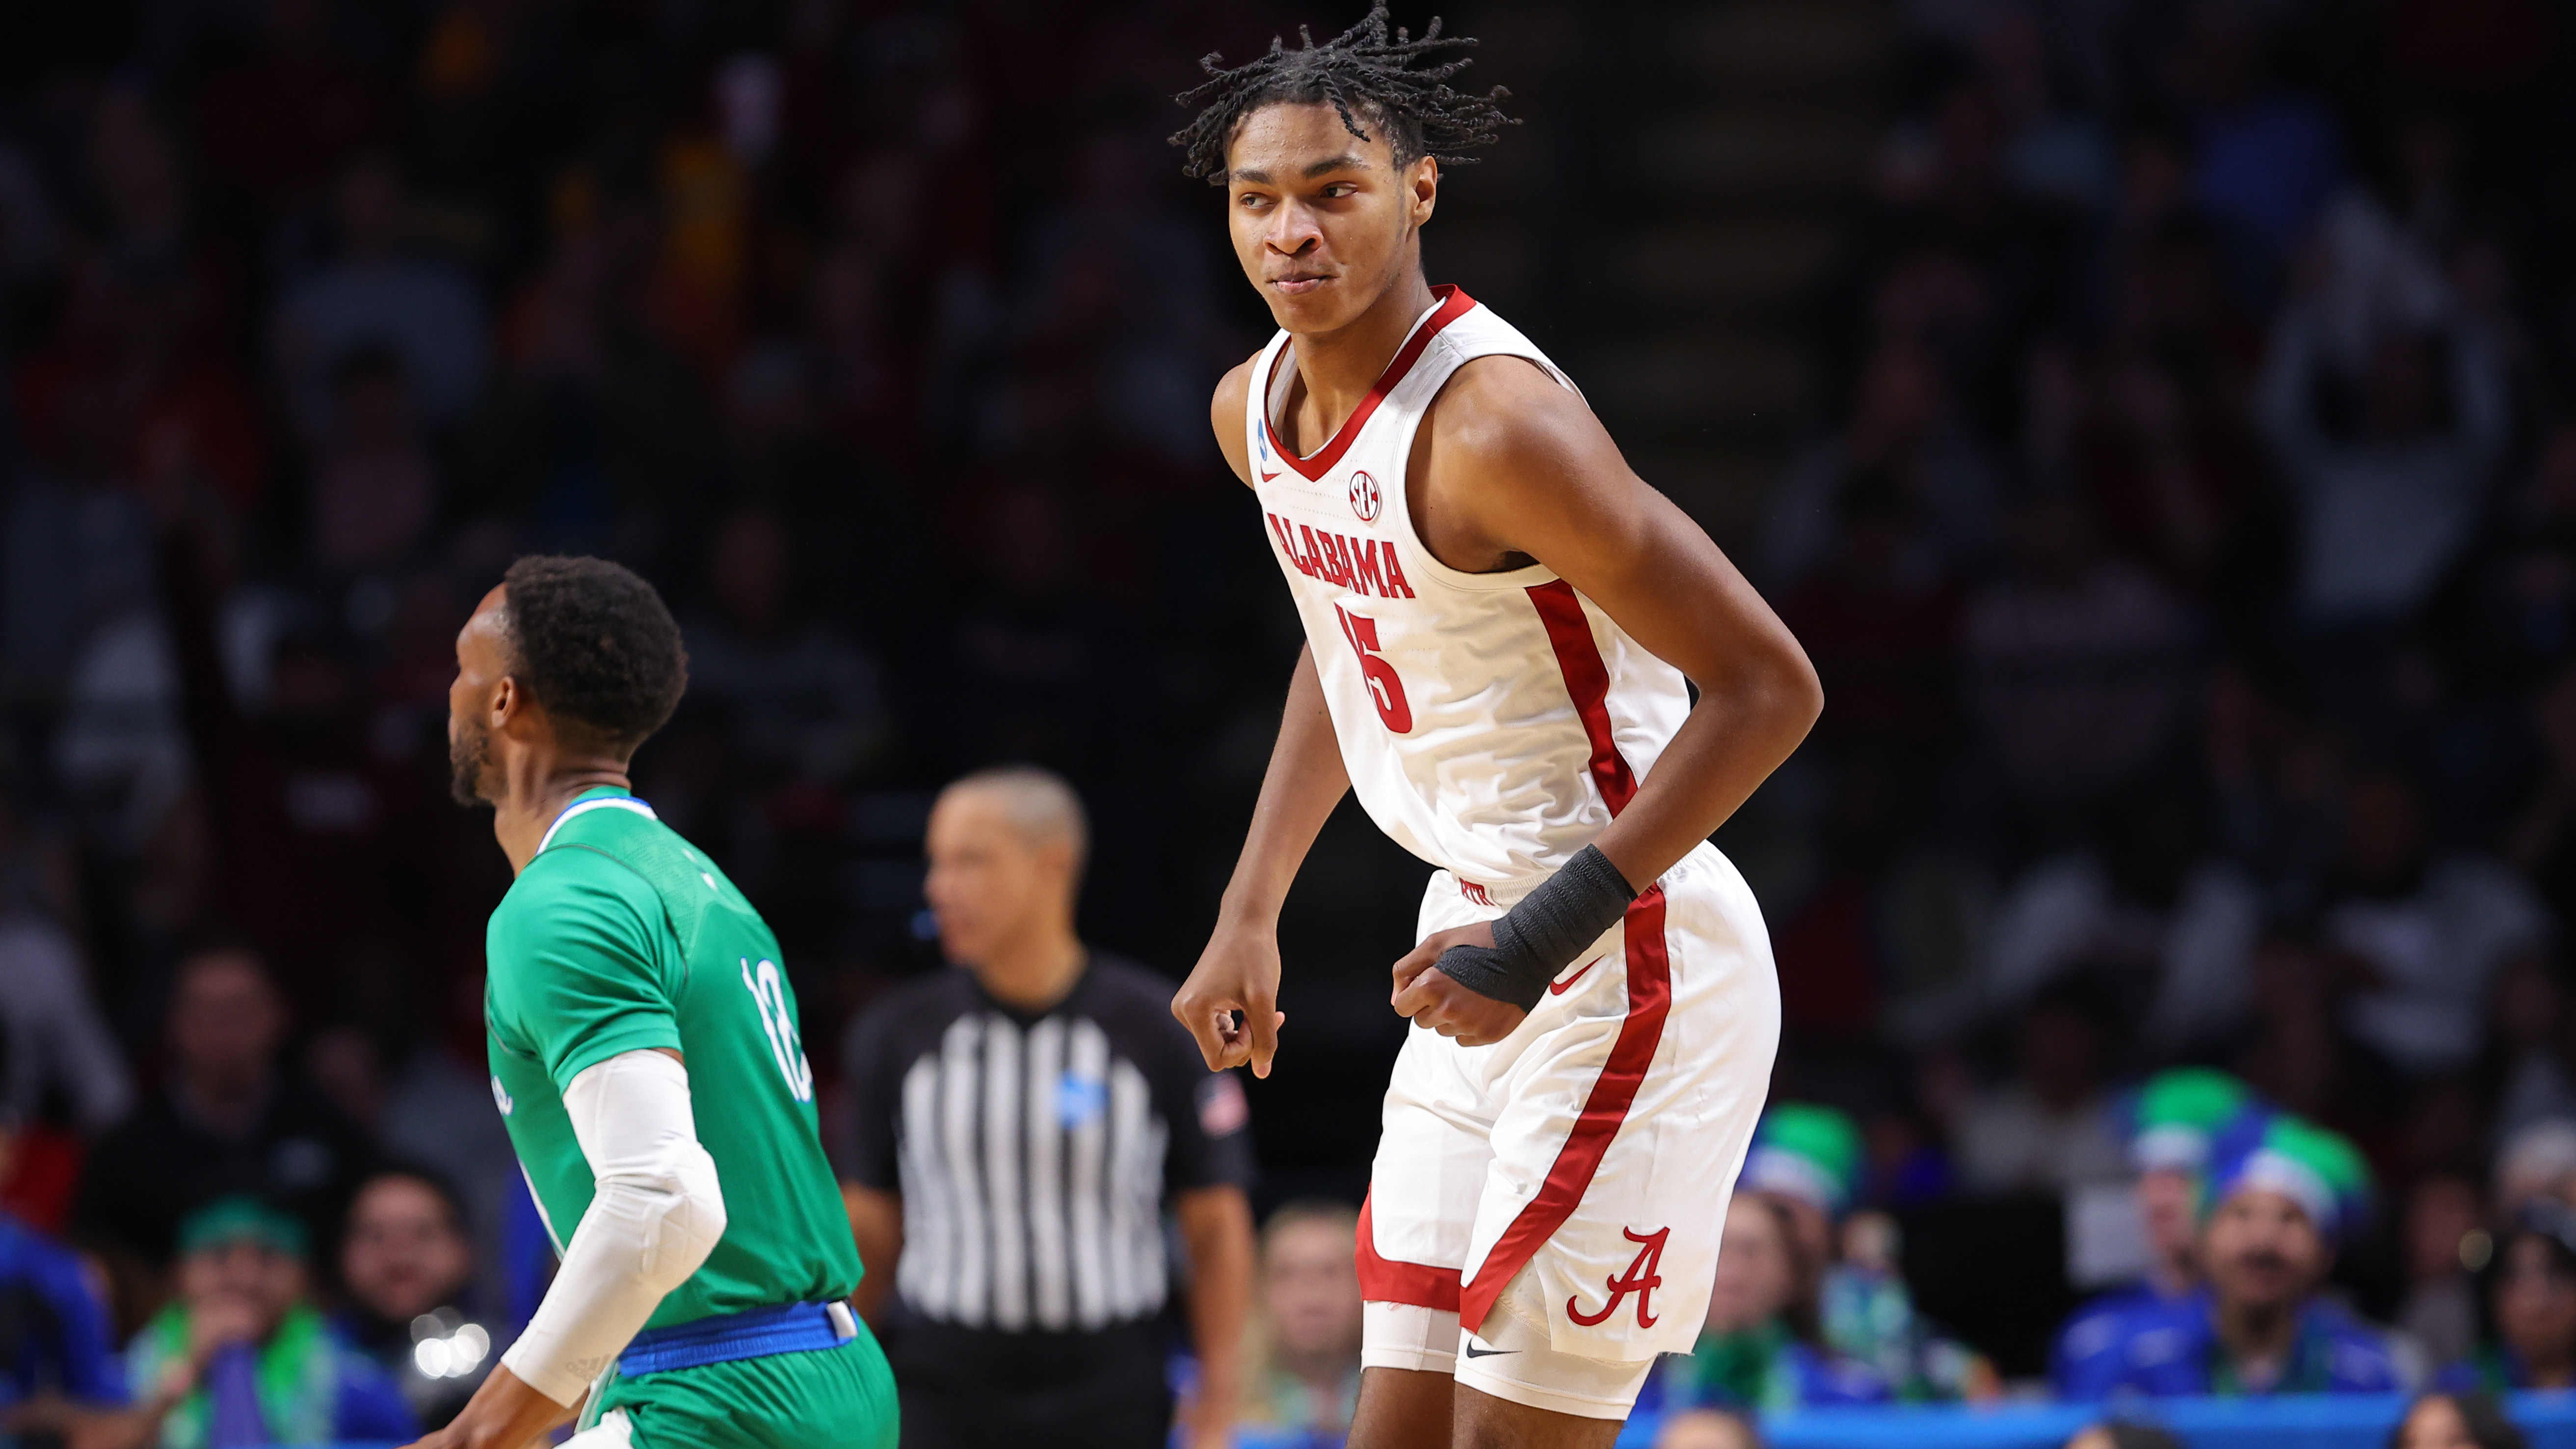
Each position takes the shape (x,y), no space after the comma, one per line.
(1491,723)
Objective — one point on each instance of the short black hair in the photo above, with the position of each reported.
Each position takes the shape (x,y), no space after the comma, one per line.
(1362,72)
(595,645)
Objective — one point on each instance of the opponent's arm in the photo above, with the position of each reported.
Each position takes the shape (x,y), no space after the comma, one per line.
(1537,476)
(655,1213)
(1239,970)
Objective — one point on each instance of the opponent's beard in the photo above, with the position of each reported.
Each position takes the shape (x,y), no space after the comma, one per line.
(468,756)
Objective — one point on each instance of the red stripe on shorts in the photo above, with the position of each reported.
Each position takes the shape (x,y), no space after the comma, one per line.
(1587,680)
(1650,996)
(1383,1280)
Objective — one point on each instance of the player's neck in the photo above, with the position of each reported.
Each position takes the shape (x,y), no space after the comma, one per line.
(1339,367)
(1034,972)
(537,788)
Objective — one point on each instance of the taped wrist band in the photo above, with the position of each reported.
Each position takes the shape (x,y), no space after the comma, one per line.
(1544,933)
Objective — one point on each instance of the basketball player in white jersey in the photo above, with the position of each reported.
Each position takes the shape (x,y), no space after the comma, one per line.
(1500,617)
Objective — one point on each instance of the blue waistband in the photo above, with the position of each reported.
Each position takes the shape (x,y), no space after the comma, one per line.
(754,1333)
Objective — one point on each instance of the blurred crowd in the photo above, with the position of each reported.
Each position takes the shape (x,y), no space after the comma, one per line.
(2186,536)
(2185,545)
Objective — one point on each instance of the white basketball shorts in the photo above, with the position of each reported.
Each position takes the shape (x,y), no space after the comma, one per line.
(1583,1163)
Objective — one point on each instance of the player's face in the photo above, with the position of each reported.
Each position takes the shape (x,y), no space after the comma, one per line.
(1323,223)
(2260,1250)
(481,662)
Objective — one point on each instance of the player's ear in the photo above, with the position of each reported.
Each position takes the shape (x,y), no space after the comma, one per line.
(1423,184)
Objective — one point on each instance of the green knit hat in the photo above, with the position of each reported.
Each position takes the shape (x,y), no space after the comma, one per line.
(2319,1170)
(2176,1114)
(1806,1152)
(232,1219)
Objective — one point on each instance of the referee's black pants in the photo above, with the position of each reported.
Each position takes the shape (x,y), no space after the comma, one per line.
(971,1388)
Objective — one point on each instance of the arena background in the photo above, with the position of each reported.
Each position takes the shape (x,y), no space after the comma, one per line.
(879,337)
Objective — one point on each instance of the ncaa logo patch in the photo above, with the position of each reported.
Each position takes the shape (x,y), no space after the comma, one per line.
(1365,500)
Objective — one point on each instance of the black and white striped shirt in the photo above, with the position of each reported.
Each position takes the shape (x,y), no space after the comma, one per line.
(1034,1154)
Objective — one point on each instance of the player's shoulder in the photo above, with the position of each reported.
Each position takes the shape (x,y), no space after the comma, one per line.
(1501,403)
(1232,391)
(575,868)
(567,883)
(1226,412)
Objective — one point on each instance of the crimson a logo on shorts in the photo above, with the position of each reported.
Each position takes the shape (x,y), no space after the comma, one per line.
(1645,1274)
(1365,499)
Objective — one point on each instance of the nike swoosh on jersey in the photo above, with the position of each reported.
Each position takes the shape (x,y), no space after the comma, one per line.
(1266,477)
(1559,988)
(1478,1350)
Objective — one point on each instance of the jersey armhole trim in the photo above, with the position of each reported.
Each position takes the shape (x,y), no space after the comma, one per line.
(1527,576)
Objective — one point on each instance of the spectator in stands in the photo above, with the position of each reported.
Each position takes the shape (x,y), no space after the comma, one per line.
(426,315)
(2456,1421)
(1707,1429)
(2153,903)
(407,1263)
(2172,1122)
(2050,1127)
(1060,1342)
(2071,660)
(56,1042)
(226,1120)
(375,485)
(1763,1348)
(2536,1162)
(2429,931)
(1806,1161)
(56,1344)
(2441,1234)
(1302,1372)
(2390,492)
(2280,1193)
(243,1358)
(2531,1305)
(2119,1434)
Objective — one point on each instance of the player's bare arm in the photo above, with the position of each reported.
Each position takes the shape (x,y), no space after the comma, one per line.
(1511,467)
(1239,970)
(1230,1002)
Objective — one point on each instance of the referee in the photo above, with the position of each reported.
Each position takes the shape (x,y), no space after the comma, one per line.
(1017,1129)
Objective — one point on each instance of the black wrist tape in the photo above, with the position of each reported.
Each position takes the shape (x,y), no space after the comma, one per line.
(1544,933)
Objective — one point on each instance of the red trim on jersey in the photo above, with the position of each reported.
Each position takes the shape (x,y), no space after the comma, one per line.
(1650,996)
(1383,1280)
(1587,679)
(1454,303)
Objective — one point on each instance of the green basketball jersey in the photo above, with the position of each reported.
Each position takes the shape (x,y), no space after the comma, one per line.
(619,937)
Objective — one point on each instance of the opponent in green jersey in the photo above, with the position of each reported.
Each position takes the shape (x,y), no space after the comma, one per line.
(622,948)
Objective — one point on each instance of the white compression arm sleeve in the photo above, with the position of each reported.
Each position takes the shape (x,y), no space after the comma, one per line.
(655,1213)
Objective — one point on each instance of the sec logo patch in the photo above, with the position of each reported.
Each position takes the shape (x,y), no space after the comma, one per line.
(1365,500)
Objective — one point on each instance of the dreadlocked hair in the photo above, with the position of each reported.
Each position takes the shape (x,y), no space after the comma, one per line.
(1362,73)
